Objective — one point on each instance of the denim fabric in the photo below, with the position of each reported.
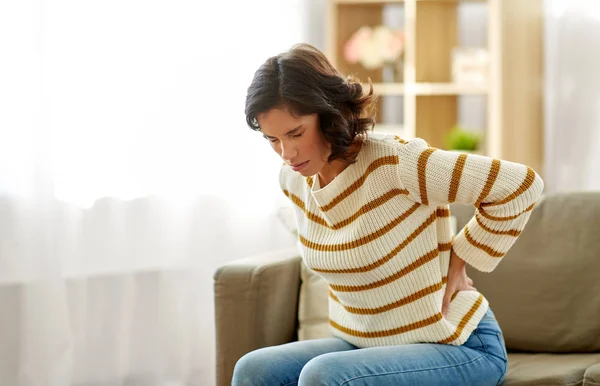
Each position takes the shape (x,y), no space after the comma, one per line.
(481,361)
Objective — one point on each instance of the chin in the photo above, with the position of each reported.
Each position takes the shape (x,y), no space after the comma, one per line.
(305,173)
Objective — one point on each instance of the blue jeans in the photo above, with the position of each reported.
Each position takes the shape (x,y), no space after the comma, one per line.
(480,361)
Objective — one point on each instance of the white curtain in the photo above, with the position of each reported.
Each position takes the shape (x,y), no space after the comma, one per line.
(572,95)
(127,175)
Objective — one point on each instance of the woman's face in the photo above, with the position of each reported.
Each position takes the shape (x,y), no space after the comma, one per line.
(297,140)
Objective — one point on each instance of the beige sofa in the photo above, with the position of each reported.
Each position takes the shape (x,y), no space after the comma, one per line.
(545,294)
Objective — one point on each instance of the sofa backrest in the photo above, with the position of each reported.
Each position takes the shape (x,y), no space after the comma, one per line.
(546,291)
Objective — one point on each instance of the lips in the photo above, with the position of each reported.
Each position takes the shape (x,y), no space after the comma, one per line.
(299,166)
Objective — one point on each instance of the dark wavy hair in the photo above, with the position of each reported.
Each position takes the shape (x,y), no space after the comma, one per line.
(304,81)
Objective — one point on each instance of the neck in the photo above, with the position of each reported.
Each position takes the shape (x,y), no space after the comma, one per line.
(335,167)
(330,171)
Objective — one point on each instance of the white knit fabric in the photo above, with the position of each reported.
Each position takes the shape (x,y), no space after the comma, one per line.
(380,235)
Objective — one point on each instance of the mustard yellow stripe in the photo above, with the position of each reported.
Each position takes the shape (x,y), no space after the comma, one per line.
(421,170)
(364,209)
(509,232)
(456,176)
(395,331)
(309,181)
(526,184)
(363,240)
(444,246)
(441,247)
(491,179)
(509,218)
(464,321)
(402,302)
(442,212)
(454,295)
(387,160)
(370,206)
(483,247)
(311,216)
(429,256)
(400,140)
(387,257)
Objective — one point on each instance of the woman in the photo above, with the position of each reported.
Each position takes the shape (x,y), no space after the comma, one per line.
(374,222)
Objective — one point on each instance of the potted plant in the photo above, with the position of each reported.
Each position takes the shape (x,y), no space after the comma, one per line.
(462,140)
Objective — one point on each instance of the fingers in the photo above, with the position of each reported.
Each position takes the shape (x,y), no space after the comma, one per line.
(449,296)
(446,300)
(445,305)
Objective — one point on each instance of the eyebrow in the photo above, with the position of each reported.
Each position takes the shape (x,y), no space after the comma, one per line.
(288,133)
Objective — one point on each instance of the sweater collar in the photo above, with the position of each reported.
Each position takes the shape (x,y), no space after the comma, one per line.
(336,201)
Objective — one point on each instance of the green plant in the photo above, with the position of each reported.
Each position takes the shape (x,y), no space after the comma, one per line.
(461,139)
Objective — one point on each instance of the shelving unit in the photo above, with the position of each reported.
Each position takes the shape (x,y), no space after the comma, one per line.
(513,93)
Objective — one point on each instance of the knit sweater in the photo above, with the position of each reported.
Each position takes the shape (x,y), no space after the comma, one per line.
(380,236)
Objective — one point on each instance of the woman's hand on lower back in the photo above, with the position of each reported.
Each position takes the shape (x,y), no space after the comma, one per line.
(457,280)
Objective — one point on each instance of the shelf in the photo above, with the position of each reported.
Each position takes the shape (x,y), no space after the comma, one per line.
(364,2)
(446,89)
(425,99)
(390,129)
(384,89)
(424,89)
(452,1)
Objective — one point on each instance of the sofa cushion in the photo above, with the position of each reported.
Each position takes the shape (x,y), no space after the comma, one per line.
(545,291)
(313,307)
(548,369)
(592,375)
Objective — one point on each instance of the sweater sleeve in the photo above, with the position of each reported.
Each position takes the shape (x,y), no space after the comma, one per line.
(503,193)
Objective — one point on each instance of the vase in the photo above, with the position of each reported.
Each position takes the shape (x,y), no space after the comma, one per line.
(393,72)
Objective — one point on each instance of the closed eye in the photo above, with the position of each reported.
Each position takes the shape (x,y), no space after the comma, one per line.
(270,139)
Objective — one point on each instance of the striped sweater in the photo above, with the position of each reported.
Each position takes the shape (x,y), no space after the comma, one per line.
(380,236)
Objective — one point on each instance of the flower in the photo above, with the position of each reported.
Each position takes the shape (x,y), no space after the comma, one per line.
(373,47)
(353,47)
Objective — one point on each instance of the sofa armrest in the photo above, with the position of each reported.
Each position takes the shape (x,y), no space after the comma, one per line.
(256,305)
(592,376)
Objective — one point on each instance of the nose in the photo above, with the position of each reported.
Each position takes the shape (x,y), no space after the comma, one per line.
(288,152)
